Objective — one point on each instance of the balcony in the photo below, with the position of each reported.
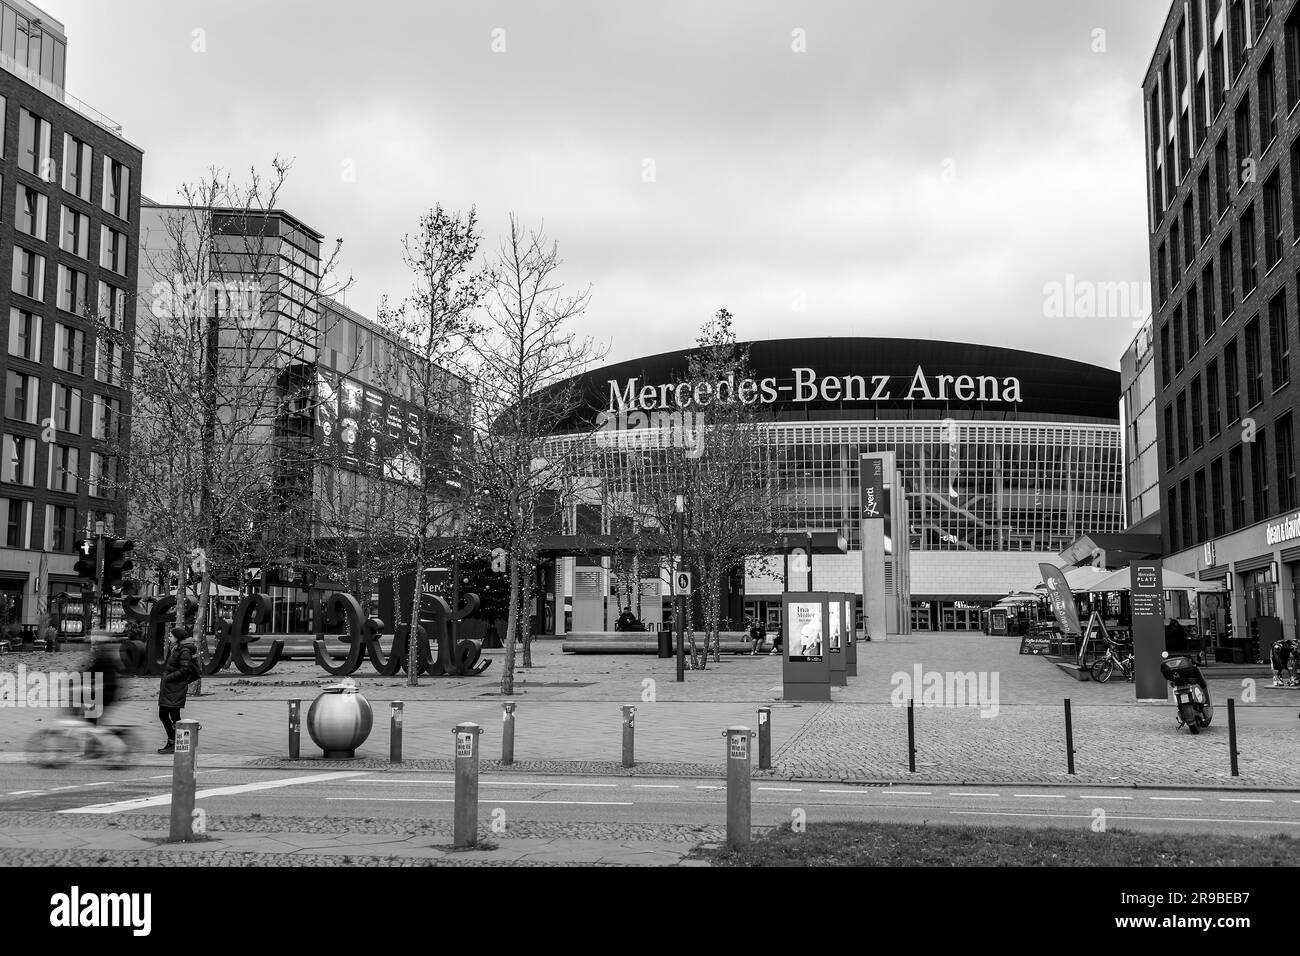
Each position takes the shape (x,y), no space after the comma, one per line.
(47,87)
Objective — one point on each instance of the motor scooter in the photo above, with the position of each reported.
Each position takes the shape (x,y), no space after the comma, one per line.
(1191,695)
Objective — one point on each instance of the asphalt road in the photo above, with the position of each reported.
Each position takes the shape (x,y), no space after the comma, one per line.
(687,802)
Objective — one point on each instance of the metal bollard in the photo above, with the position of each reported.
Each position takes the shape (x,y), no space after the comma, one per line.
(1232,735)
(187,749)
(465,828)
(629,733)
(508,732)
(738,777)
(911,736)
(395,732)
(295,727)
(765,738)
(1069,738)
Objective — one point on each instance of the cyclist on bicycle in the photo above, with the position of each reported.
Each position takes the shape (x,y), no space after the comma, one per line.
(104,665)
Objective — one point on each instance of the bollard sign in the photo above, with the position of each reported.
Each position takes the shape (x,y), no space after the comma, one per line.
(464,745)
(182,741)
(739,749)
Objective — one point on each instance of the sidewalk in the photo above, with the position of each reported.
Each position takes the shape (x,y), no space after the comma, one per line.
(47,839)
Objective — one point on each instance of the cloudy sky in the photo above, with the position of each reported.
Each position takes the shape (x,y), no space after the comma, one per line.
(862,167)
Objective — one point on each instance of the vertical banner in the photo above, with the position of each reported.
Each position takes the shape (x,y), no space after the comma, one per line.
(1062,600)
(872,491)
(1147,602)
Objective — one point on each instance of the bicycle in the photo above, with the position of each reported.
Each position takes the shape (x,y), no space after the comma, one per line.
(74,738)
(1104,666)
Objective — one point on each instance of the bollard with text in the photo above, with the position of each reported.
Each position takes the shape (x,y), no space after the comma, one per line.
(395,732)
(1233,753)
(1069,739)
(295,727)
(187,751)
(508,732)
(738,786)
(911,735)
(629,734)
(1147,604)
(765,738)
(465,828)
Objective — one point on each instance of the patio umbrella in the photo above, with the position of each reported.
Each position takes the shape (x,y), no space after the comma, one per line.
(1170,580)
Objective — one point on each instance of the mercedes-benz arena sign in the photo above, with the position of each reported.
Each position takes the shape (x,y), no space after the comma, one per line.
(862,378)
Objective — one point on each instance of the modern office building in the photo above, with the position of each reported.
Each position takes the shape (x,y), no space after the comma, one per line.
(69,224)
(1223,173)
(1005,457)
(1137,374)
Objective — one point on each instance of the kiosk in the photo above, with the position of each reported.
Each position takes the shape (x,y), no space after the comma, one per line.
(836,625)
(806,667)
(850,636)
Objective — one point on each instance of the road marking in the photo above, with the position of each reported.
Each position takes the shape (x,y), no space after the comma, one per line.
(1116,816)
(854,790)
(164,799)
(482,783)
(707,787)
(1244,800)
(558,803)
(1178,799)
(659,786)
(19,793)
(786,789)
(960,793)
(910,793)
(1041,796)
(1098,796)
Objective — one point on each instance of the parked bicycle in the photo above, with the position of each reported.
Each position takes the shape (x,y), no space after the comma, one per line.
(1116,656)
(74,738)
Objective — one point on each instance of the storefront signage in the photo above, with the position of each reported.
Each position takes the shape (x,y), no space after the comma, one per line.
(1147,603)
(807,386)
(1034,644)
(806,631)
(1288,529)
(1062,599)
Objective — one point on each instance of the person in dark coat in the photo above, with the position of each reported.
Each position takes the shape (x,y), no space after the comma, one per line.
(179,671)
(104,663)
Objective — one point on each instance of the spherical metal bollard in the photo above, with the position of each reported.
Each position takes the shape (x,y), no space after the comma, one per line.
(340,719)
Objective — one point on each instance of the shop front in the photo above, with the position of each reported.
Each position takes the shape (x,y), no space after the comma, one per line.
(948,613)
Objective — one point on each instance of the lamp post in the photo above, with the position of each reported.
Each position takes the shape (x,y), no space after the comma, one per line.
(679,604)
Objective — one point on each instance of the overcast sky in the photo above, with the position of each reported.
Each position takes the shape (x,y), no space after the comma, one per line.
(922,168)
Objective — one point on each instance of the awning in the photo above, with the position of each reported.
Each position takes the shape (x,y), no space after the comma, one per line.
(1121,580)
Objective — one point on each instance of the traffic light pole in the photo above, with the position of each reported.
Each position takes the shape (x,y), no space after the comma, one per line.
(100,557)
(679,602)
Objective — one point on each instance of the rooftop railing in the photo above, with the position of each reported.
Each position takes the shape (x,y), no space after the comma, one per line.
(54,91)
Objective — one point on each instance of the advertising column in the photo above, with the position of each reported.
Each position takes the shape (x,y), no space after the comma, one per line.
(871,502)
(835,640)
(1148,604)
(806,665)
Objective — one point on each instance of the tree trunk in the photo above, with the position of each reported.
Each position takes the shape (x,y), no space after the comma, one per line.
(512,621)
(528,599)
(396,583)
(201,628)
(413,638)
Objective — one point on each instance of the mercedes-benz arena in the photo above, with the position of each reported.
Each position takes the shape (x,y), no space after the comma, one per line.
(1006,457)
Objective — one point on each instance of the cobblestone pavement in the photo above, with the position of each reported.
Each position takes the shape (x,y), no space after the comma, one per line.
(49,839)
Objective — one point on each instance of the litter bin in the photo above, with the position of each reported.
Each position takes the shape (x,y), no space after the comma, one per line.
(339,720)
(665,643)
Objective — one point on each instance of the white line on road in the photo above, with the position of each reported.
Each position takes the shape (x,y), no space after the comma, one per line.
(959,793)
(659,786)
(1244,800)
(910,793)
(482,783)
(785,789)
(855,790)
(558,803)
(19,793)
(706,787)
(1041,796)
(1098,796)
(1116,816)
(1178,799)
(164,799)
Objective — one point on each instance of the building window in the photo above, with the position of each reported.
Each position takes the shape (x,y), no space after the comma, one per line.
(1203,203)
(106,419)
(21,395)
(108,362)
(18,522)
(1185,511)
(1162,271)
(1177,324)
(1272,221)
(1222,176)
(1211,321)
(1279,342)
(1287,499)
(1170,457)
(1218,83)
(1227,287)
(25,335)
(69,348)
(1182,425)
(19,464)
(1240,37)
(1212,397)
(1267,104)
(1175,246)
(1165,377)
(60,528)
(30,212)
(29,274)
(34,145)
(1259,476)
(112,305)
(1232,382)
(74,232)
(1202,508)
(1172,522)
(1192,306)
(117,187)
(1241,134)
(1254,365)
(1237,488)
(65,408)
(102,478)
(76,167)
(1249,253)
(74,291)
(1218,516)
(1189,233)
(1198,423)
(64,462)
(1293,60)
(112,249)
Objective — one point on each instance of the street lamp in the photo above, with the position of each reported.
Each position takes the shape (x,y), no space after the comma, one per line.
(679,604)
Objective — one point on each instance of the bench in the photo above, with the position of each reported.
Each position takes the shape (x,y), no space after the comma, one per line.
(637,642)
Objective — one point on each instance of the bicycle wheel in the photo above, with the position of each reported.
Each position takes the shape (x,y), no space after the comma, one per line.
(51,747)
(119,751)
(1102,669)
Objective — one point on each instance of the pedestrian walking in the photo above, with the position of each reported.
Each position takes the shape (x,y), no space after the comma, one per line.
(179,671)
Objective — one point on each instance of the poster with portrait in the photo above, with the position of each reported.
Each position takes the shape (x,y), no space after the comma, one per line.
(806,631)
(834,625)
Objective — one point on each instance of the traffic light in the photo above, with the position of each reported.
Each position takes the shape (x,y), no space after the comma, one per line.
(87,565)
(116,562)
